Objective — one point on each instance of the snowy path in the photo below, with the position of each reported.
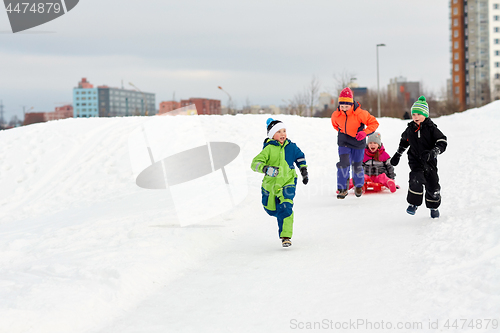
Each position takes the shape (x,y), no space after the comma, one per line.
(251,284)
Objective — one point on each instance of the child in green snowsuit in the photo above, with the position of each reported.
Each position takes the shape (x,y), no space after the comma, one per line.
(276,161)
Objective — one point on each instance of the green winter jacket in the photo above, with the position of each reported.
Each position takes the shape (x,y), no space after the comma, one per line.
(283,156)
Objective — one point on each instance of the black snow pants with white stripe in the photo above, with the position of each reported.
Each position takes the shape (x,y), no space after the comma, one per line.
(426,177)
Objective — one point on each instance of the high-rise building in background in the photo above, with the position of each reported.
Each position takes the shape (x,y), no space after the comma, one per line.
(105,101)
(475,51)
(494,28)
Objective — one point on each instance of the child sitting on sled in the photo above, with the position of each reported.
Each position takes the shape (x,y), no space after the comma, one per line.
(376,163)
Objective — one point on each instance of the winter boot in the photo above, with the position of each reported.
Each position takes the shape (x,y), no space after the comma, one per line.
(391,184)
(341,194)
(358,191)
(411,209)
(286,241)
(434,213)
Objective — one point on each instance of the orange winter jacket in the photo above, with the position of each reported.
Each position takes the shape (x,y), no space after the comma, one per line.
(350,122)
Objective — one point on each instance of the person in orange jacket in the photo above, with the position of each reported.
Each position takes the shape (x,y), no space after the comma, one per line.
(350,121)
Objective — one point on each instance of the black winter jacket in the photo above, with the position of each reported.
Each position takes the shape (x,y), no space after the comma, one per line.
(421,139)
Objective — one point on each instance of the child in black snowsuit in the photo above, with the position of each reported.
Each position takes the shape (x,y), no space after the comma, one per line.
(426,142)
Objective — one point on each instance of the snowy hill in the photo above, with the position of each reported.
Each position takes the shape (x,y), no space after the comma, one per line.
(84,249)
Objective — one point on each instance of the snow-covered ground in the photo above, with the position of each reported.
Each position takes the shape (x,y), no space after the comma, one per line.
(84,249)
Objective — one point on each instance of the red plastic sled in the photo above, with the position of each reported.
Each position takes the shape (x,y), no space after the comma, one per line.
(369,186)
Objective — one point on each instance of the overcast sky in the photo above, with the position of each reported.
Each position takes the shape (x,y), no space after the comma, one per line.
(261,51)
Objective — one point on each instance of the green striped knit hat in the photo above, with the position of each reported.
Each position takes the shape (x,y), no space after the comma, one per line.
(420,107)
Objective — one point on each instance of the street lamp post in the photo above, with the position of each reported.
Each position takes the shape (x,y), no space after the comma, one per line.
(24,111)
(144,102)
(230,102)
(378,84)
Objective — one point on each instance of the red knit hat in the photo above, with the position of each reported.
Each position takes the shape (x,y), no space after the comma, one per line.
(346,96)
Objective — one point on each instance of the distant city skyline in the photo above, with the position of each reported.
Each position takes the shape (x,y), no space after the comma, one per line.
(262,52)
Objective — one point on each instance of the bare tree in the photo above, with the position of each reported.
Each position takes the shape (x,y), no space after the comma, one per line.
(288,106)
(234,107)
(342,80)
(14,121)
(299,104)
(444,105)
(312,94)
(247,108)
(303,102)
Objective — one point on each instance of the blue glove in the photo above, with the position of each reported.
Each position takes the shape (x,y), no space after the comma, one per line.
(270,171)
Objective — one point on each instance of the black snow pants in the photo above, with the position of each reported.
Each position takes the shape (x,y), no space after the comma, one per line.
(427,177)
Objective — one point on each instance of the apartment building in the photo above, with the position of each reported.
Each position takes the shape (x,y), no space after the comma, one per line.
(105,101)
(475,51)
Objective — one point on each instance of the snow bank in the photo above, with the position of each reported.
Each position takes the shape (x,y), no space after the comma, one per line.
(83,249)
